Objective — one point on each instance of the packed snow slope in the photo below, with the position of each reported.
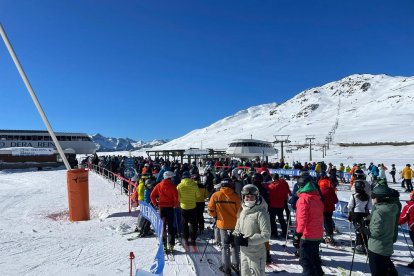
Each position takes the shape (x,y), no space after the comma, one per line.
(356,109)
(36,237)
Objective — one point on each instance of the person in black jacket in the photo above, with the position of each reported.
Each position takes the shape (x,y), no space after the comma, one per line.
(257,180)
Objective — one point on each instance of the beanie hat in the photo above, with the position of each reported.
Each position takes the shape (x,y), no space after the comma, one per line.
(186,174)
(383,191)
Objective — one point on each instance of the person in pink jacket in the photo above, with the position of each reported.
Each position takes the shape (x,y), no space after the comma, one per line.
(309,226)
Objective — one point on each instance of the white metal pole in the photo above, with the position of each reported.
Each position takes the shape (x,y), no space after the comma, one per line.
(33,95)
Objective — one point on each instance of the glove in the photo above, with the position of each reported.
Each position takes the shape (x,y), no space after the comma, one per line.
(231,239)
(240,240)
(363,230)
(366,221)
(296,240)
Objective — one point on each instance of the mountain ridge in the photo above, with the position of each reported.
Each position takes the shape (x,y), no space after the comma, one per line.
(108,144)
(350,110)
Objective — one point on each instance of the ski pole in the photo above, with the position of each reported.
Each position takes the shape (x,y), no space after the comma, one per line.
(352,263)
(207,243)
(287,231)
(350,234)
(406,242)
(178,227)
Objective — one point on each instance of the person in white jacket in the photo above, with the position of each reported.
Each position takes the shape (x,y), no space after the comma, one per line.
(252,231)
(359,206)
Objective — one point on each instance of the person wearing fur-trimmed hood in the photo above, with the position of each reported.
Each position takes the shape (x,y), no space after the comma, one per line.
(252,231)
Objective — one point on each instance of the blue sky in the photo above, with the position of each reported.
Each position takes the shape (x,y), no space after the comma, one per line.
(159,69)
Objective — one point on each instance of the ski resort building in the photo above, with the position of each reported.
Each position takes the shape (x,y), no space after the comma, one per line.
(35,148)
(250,148)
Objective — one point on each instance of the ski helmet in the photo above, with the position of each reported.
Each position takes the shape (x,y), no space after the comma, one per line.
(227,182)
(304,173)
(359,174)
(250,189)
(186,174)
(194,170)
(257,178)
(224,175)
(168,174)
(150,183)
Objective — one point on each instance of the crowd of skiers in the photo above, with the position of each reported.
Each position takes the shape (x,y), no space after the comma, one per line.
(244,204)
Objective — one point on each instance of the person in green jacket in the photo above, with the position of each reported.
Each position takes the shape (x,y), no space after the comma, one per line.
(382,230)
(188,193)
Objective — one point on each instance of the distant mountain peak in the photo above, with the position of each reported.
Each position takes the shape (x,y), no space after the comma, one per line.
(122,144)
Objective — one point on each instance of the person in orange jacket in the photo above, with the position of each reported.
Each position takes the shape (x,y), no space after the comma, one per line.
(354,168)
(165,196)
(224,206)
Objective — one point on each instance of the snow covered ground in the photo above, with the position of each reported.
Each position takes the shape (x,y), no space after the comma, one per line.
(36,237)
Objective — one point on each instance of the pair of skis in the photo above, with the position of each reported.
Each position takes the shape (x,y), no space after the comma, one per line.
(190,248)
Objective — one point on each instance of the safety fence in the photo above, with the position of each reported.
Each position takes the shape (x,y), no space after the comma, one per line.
(291,172)
(116,179)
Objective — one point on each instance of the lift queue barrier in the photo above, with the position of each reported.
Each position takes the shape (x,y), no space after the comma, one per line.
(116,179)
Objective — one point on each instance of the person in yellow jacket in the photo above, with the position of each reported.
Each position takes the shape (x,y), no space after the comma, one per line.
(141,186)
(224,206)
(187,196)
(139,191)
(201,202)
(318,168)
(407,174)
(342,172)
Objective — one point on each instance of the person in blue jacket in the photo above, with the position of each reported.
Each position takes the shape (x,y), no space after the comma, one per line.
(160,175)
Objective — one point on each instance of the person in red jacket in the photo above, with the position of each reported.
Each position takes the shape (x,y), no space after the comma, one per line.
(329,200)
(407,216)
(278,195)
(309,229)
(263,168)
(165,196)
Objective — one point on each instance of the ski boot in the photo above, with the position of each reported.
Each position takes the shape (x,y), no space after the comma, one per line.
(360,249)
(329,240)
(226,272)
(268,258)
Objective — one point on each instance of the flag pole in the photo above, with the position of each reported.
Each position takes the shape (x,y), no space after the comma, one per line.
(33,95)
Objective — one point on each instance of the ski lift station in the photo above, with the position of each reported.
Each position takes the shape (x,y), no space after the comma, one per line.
(35,148)
(250,148)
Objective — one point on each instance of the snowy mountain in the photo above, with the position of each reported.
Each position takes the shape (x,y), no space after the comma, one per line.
(122,144)
(360,109)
